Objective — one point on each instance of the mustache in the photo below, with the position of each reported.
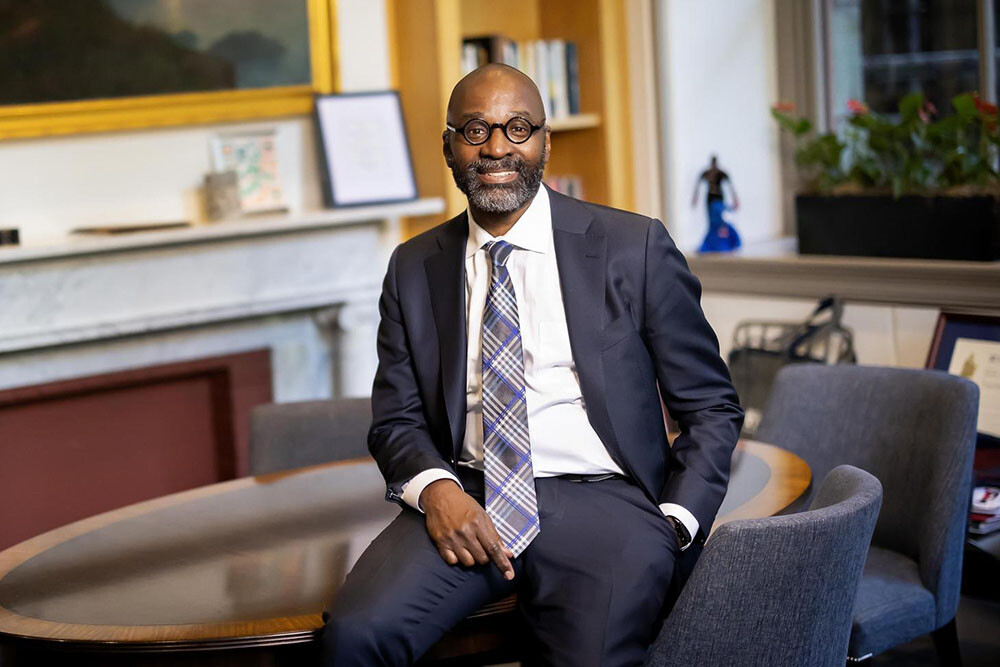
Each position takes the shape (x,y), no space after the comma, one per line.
(506,163)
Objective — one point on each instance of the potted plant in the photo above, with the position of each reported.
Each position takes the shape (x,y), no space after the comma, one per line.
(903,186)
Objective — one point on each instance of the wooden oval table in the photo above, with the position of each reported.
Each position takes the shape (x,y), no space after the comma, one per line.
(239,572)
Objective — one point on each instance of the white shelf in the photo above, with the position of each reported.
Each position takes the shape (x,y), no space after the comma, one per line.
(580,121)
(776,269)
(73,245)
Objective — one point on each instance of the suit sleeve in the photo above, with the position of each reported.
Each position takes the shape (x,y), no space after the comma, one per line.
(399,438)
(694,382)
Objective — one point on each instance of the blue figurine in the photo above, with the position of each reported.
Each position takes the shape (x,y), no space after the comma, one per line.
(721,236)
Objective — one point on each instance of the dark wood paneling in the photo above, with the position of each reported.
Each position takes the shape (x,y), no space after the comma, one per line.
(75,448)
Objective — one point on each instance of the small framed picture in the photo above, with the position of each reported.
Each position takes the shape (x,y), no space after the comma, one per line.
(364,153)
(969,346)
(254,158)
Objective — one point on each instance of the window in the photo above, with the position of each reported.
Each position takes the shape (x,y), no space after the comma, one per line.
(877,51)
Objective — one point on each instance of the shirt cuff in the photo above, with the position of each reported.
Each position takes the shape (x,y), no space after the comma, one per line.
(416,485)
(686,518)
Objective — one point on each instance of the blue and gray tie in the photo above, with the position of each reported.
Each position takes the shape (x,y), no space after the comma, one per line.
(510,484)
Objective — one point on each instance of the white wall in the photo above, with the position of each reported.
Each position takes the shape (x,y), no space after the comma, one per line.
(717,65)
(718,80)
(883,335)
(50,185)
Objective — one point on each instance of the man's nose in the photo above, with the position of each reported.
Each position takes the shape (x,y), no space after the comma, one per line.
(496,146)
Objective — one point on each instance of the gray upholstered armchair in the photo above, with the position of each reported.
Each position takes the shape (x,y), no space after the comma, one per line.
(780,590)
(292,435)
(915,431)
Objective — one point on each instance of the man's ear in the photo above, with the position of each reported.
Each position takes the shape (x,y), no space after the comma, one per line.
(449,159)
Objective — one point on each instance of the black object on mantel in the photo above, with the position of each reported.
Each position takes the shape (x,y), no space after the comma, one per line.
(10,236)
(958,228)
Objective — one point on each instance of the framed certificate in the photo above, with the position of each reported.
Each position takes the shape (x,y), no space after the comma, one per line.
(364,153)
(969,346)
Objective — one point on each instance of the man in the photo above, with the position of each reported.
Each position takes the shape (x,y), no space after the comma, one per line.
(521,346)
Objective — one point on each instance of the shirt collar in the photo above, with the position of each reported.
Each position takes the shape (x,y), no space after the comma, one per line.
(532,231)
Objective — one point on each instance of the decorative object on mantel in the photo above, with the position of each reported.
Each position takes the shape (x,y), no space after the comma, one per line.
(254,158)
(721,235)
(909,186)
(130,228)
(222,195)
(10,236)
(364,153)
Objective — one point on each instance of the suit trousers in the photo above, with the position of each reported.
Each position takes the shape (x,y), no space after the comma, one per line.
(591,586)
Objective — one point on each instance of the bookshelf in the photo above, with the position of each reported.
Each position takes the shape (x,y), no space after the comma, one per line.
(426,41)
(580,121)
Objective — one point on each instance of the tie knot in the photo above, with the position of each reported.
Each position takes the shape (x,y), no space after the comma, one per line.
(499,252)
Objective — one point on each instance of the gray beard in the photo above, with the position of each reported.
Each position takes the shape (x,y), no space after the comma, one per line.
(501,197)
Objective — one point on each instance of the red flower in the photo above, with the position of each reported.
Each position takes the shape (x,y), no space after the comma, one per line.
(856,107)
(784,107)
(983,106)
(926,111)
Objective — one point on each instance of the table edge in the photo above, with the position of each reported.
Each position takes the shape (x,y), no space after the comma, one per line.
(18,627)
(277,630)
(796,478)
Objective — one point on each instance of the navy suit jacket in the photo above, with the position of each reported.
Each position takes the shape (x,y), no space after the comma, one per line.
(636,331)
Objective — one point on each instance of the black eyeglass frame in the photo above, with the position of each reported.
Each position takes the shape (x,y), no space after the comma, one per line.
(494,126)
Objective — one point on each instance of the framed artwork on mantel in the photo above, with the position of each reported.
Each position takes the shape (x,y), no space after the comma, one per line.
(97,65)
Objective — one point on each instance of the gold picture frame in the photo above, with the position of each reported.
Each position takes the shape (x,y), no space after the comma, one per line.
(85,116)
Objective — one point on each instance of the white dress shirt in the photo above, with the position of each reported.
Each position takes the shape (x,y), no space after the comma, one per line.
(562,439)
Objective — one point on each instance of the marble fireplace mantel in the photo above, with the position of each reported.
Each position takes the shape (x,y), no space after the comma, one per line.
(92,301)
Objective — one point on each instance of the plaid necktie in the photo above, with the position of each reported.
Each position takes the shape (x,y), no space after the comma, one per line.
(510,484)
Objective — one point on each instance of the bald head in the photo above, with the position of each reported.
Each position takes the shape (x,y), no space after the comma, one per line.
(495,86)
(500,176)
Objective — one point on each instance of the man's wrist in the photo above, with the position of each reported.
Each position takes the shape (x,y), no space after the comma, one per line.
(683,537)
(437,489)
(412,490)
(684,517)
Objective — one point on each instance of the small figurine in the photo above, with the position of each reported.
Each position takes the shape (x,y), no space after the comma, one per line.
(721,236)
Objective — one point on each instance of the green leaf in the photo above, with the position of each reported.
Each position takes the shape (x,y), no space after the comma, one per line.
(965,105)
(797,126)
(909,106)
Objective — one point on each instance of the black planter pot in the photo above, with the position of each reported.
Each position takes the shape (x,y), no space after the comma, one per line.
(965,228)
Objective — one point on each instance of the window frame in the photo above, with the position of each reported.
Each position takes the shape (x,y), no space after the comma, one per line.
(986,43)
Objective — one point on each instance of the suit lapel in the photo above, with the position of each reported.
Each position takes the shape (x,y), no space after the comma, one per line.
(581,255)
(581,248)
(446,280)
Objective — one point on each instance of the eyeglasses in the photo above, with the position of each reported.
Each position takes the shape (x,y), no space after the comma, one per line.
(517,130)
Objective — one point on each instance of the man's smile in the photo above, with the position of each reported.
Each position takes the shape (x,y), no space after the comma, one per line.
(497,176)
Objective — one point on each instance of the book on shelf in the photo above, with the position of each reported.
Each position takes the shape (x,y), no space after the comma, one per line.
(983,524)
(551,63)
(558,84)
(984,516)
(986,500)
(478,51)
(572,78)
(571,186)
(541,75)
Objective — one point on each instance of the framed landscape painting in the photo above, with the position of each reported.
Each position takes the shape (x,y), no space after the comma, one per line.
(92,65)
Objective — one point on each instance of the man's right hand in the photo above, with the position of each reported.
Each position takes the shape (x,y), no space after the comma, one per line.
(461,529)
